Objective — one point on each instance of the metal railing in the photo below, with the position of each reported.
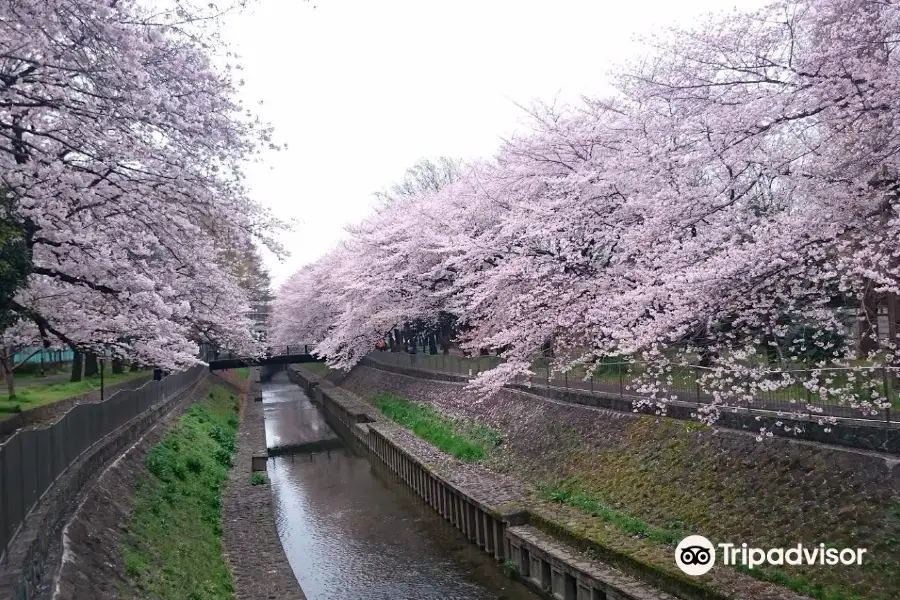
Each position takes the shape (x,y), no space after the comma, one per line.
(270,351)
(31,460)
(839,392)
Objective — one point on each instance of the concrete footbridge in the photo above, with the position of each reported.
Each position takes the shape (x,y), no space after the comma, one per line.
(282,355)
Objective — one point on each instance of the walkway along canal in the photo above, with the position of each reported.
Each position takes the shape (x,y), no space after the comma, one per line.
(350,531)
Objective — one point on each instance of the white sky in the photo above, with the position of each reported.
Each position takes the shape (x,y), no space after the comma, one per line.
(360,90)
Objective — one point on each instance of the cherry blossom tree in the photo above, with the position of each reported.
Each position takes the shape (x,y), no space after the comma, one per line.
(722,210)
(121,152)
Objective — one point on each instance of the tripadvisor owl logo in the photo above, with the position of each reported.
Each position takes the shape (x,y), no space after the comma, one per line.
(695,555)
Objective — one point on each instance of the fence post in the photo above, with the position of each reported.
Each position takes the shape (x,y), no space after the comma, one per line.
(592,382)
(7,530)
(566,380)
(21,486)
(37,474)
(887,394)
(808,399)
(621,371)
(747,398)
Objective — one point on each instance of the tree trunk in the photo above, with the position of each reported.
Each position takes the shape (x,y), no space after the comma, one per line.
(76,366)
(547,349)
(893,307)
(868,322)
(6,366)
(432,344)
(135,366)
(90,364)
(769,350)
(117,367)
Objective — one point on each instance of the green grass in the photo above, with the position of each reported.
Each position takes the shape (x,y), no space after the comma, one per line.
(570,493)
(319,368)
(243,372)
(173,547)
(41,394)
(257,478)
(469,442)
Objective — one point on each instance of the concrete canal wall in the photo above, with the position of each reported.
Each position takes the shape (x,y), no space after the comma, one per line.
(486,507)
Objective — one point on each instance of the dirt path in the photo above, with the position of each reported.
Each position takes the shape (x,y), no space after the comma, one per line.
(252,547)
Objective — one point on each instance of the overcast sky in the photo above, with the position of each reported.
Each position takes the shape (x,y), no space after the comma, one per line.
(359,90)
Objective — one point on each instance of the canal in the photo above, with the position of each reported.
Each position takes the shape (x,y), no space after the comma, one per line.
(351,533)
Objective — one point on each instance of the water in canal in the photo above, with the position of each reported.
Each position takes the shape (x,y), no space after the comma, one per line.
(351,534)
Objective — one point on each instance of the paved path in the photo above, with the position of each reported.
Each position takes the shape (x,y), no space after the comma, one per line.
(252,547)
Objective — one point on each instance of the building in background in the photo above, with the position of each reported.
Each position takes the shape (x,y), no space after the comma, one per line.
(259,313)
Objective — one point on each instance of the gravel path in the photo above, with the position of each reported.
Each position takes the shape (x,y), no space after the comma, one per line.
(252,547)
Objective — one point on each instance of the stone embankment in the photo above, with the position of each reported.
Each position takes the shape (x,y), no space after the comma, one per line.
(495,511)
(252,547)
(673,476)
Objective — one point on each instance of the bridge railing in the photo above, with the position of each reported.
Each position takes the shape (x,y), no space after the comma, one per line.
(31,460)
(285,350)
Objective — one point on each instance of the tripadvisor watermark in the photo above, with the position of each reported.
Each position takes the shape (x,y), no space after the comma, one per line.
(696,555)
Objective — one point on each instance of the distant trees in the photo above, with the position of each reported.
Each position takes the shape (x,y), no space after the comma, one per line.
(744,175)
(424,176)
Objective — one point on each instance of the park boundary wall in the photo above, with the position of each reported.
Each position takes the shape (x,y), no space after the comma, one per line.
(865,435)
(42,471)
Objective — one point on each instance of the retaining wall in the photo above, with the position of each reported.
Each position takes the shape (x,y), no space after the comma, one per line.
(878,436)
(485,507)
(25,562)
(47,412)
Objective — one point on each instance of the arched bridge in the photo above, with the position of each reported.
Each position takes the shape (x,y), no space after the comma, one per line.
(283,355)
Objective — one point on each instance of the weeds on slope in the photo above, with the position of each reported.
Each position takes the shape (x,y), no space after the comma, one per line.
(570,493)
(173,548)
(469,442)
(319,368)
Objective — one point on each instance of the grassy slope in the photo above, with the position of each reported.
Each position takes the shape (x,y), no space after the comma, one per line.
(468,442)
(657,488)
(320,369)
(41,394)
(173,548)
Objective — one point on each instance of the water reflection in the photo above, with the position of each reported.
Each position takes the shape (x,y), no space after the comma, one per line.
(352,535)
